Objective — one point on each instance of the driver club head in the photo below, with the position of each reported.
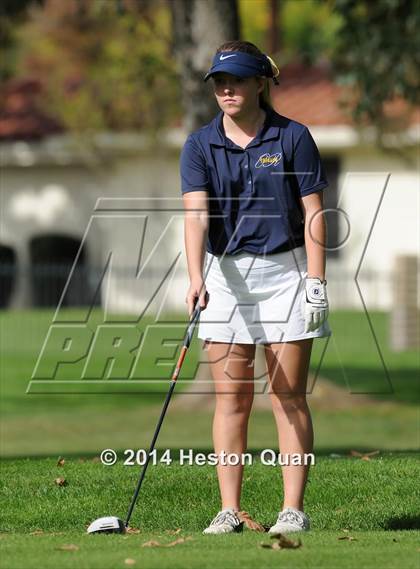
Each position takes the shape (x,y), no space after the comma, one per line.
(108,524)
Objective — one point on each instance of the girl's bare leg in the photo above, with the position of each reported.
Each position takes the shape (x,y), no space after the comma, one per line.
(232,369)
(288,365)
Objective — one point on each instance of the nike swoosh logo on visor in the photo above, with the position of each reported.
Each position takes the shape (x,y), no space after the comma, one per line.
(222,57)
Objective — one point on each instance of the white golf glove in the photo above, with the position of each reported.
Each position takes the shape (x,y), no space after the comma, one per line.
(314,303)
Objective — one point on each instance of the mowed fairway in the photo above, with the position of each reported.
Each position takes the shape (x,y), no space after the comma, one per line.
(342,493)
(372,499)
(372,503)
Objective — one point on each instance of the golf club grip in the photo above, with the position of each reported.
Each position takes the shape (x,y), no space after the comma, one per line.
(193,321)
(188,338)
(191,326)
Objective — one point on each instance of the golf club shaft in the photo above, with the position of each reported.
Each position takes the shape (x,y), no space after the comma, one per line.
(187,341)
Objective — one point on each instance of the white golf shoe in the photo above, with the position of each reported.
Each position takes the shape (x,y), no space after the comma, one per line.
(226,521)
(289,520)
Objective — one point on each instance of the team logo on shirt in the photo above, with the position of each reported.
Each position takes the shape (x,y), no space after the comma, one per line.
(266,160)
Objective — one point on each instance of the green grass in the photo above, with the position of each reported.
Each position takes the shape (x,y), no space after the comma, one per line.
(339,493)
(57,424)
(22,336)
(375,500)
(386,427)
(321,549)
(359,358)
(356,358)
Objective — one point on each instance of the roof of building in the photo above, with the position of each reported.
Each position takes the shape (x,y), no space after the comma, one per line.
(309,95)
(21,117)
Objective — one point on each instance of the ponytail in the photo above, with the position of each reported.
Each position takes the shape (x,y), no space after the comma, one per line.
(274,69)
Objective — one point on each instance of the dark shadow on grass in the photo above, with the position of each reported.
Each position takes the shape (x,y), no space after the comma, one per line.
(403,522)
(324,452)
(403,389)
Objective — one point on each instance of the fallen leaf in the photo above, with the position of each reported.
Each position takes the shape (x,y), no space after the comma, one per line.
(348,538)
(68,547)
(60,461)
(249,522)
(173,531)
(365,455)
(61,481)
(132,530)
(286,542)
(373,453)
(355,453)
(129,561)
(177,541)
(36,532)
(151,543)
(282,542)
(345,529)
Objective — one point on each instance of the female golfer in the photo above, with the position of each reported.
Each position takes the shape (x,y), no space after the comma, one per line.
(254,238)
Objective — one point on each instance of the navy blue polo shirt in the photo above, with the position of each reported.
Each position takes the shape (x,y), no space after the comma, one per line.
(254,192)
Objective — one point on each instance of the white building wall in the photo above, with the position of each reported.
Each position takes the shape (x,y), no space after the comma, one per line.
(39,200)
(394,227)
(126,190)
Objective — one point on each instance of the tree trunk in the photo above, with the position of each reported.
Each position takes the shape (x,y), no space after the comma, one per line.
(199,27)
(274,32)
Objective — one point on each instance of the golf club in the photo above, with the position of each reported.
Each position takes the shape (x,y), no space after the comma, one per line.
(111,524)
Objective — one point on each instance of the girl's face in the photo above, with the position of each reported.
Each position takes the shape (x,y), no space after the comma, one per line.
(237,95)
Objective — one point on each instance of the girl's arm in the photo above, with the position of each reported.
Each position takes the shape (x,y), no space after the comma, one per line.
(315,234)
(196,227)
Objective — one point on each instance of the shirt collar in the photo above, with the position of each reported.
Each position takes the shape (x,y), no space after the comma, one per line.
(269,130)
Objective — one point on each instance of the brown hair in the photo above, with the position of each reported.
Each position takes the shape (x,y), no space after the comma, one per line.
(252,49)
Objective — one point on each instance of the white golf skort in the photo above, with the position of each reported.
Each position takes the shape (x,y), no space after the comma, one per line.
(256,299)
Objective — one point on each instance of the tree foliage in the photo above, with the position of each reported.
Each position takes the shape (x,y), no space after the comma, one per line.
(129,64)
(372,45)
(104,65)
(12,13)
(306,28)
(377,52)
